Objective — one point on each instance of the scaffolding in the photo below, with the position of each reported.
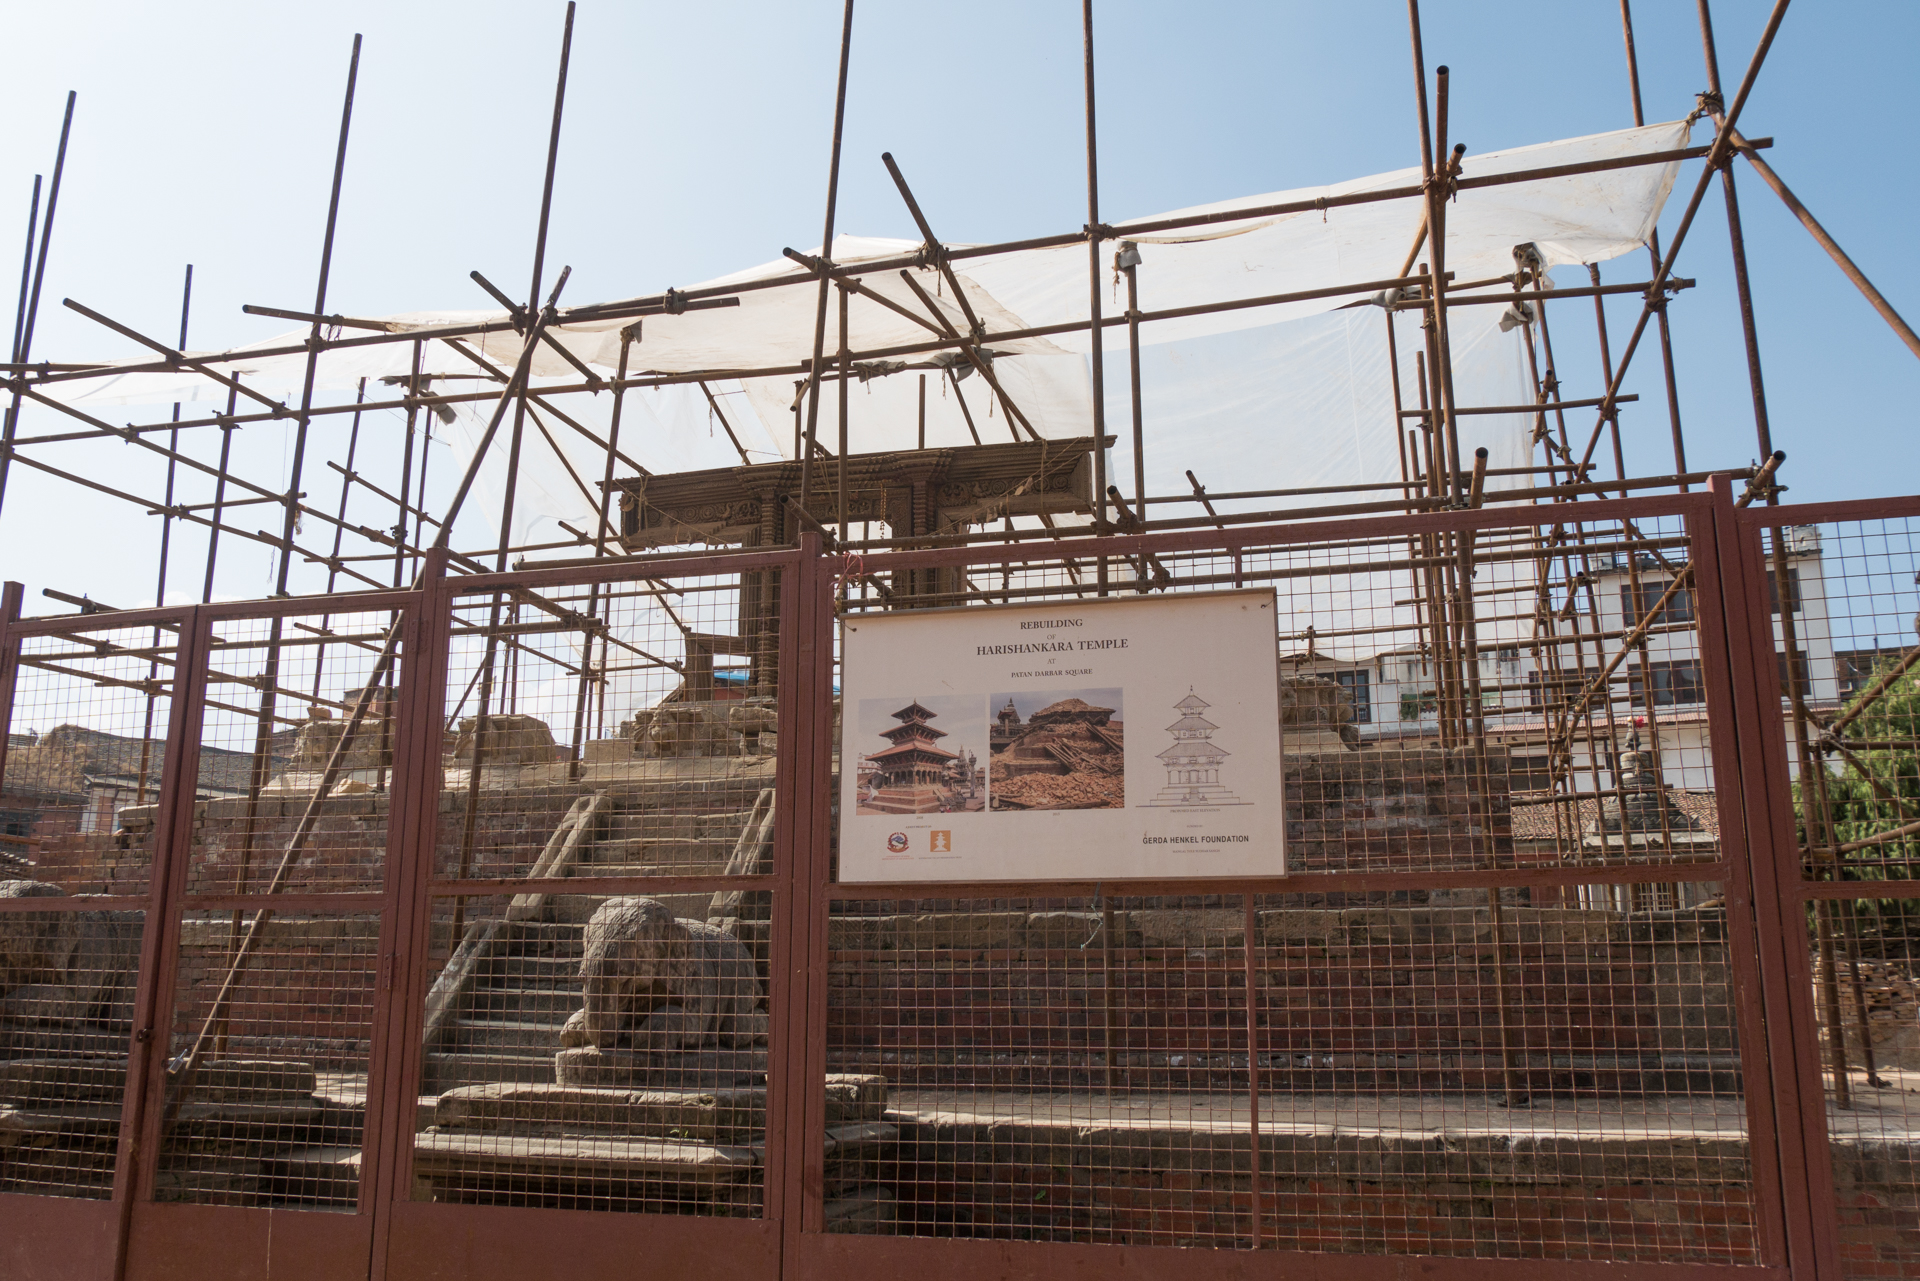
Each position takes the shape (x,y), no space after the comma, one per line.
(1537,586)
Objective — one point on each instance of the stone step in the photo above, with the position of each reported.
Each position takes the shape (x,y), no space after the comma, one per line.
(711,1068)
(579,908)
(446,1071)
(724,1115)
(67,1170)
(1343,1075)
(512,1035)
(211,1180)
(642,871)
(58,1126)
(685,857)
(697,1170)
(217,1083)
(685,823)
(870,1211)
(67,1079)
(703,1116)
(532,971)
(35,1042)
(529,1004)
(318,1177)
(530,937)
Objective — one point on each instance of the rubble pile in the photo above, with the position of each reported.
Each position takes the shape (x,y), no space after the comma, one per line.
(1060,792)
(1085,751)
(1070,755)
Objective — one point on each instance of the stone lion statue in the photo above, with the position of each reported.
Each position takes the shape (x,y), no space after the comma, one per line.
(65,967)
(657,983)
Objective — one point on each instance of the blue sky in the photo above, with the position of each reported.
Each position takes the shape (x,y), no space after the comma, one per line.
(696,140)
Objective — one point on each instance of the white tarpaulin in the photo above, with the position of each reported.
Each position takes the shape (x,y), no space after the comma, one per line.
(1278,396)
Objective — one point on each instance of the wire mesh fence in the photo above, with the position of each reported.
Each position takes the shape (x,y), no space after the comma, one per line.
(66,1021)
(1848,695)
(1499,1000)
(596,1031)
(299,715)
(266,1085)
(85,760)
(1841,602)
(86,755)
(1387,1064)
(1418,1072)
(1868,1000)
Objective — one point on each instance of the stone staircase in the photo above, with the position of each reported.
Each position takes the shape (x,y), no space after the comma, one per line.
(641,837)
(679,1133)
(508,1027)
(504,1027)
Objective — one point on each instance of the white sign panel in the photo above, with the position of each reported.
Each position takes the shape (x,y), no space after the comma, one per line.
(1129,737)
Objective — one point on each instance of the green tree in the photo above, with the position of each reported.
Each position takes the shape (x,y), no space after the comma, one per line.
(1860,811)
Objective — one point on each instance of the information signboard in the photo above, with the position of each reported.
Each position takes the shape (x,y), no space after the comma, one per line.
(1084,740)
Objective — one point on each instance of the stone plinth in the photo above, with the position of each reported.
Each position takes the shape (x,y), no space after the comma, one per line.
(676,1070)
(691,1150)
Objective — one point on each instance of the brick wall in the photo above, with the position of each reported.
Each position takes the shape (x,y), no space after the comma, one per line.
(1378,998)
(1878,1187)
(306,993)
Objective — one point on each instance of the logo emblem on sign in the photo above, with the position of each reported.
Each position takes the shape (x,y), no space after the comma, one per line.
(897,842)
(942,842)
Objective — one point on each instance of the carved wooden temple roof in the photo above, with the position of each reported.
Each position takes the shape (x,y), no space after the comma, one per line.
(915,491)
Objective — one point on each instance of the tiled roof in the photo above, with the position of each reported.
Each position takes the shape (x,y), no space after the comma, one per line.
(1537,822)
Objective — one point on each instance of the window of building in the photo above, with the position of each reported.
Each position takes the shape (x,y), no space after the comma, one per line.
(1801,671)
(1859,668)
(1678,609)
(1415,703)
(1356,684)
(1673,683)
(1793,589)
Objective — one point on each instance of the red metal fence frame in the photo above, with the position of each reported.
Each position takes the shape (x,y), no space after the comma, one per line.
(391,1235)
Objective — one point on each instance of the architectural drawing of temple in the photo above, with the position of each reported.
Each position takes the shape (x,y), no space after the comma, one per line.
(1193,762)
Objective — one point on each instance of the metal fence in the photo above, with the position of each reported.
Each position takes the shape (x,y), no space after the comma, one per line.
(494,927)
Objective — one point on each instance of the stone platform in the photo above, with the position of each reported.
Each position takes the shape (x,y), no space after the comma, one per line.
(904,800)
(1648,1180)
(682,1150)
(683,1070)
(60,1126)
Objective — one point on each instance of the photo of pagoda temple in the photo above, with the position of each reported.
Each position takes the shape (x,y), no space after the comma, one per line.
(1193,762)
(914,774)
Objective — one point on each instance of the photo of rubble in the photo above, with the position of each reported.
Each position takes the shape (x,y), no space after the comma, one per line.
(912,765)
(1057,750)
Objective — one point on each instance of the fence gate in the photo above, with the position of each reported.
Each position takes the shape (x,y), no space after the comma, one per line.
(322,956)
